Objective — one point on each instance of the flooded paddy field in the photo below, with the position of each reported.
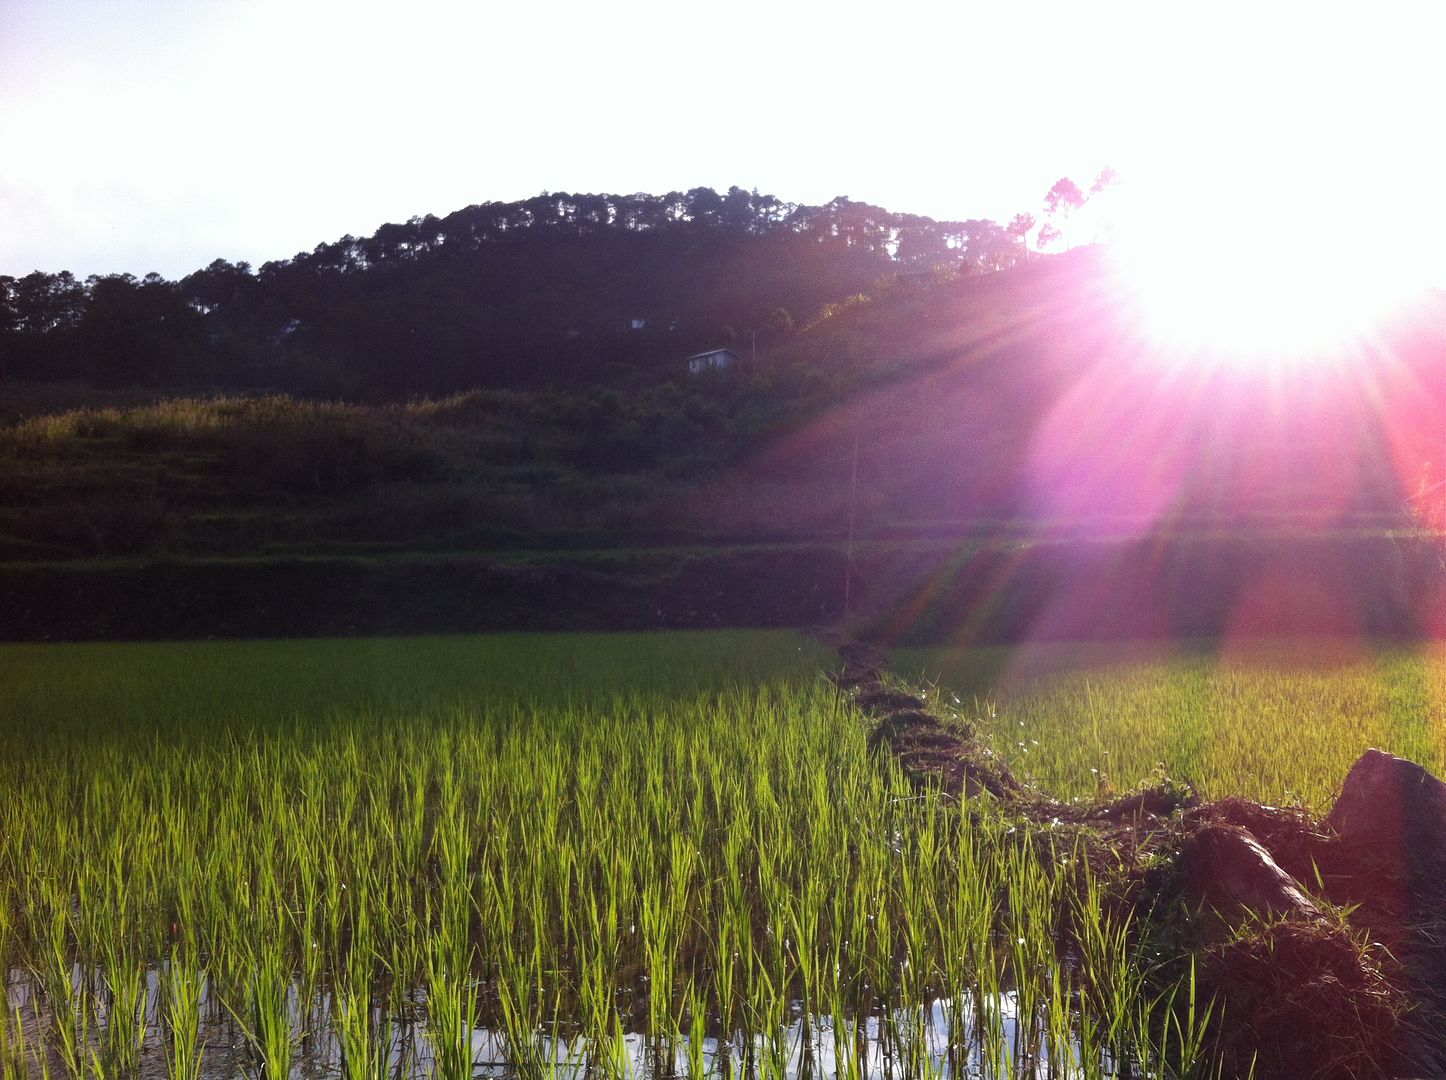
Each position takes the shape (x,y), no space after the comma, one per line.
(938,1039)
(611,856)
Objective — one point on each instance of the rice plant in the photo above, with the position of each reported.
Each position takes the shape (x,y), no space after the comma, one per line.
(181,991)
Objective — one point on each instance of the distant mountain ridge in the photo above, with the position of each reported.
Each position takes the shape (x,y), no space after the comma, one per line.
(556,289)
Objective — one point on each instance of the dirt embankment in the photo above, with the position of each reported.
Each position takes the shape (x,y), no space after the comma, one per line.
(1323,941)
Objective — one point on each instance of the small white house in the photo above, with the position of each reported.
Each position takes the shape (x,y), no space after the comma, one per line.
(713,359)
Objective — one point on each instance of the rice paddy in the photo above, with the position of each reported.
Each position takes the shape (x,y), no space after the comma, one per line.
(650,856)
(1280,723)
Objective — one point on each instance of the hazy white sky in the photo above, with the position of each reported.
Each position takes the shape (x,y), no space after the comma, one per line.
(160,134)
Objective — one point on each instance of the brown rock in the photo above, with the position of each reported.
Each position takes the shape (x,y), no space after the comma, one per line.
(1226,869)
(1391,820)
(1389,800)
(1291,835)
(1391,870)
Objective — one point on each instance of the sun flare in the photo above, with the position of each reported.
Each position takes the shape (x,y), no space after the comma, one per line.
(1252,284)
(1283,213)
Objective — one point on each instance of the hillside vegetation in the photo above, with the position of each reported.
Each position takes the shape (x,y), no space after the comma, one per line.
(555,290)
(967,404)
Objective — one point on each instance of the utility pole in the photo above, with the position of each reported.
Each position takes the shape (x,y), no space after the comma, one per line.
(853,514)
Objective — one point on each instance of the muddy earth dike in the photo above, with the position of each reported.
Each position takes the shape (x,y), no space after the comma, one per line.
(1323,941)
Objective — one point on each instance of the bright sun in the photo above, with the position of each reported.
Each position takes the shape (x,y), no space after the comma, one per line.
(1279,211)
(1251,276)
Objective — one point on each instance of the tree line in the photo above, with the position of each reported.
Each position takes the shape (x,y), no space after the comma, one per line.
(555,289)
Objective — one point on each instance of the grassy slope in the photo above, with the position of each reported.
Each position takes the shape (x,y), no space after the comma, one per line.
(190,477)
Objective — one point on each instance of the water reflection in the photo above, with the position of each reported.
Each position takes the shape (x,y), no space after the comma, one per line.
(947,1038)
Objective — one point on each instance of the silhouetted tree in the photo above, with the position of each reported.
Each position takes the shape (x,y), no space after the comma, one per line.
(1018,227)
(219,285)
(987,245)
(47,302)
(1060,201)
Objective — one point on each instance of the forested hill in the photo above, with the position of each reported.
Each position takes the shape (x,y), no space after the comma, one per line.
(555,290)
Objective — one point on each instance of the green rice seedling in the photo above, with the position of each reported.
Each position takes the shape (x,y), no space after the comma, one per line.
(9,904)
(182,989)
(1112,980)
(71,1012)
(1057,1051)
(765,1017)
(126,1021)
(697,1013)
(658,928)
(909,1039)
(595,987)
(850,1047)
(616,1060)
(268,1027)
(74,1040)
(1030,948)
(451,1006)
(364,1042)
(51,964)
(773,1052)
(1179,1043)
(14,1054)
(969,917)
(802,915)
